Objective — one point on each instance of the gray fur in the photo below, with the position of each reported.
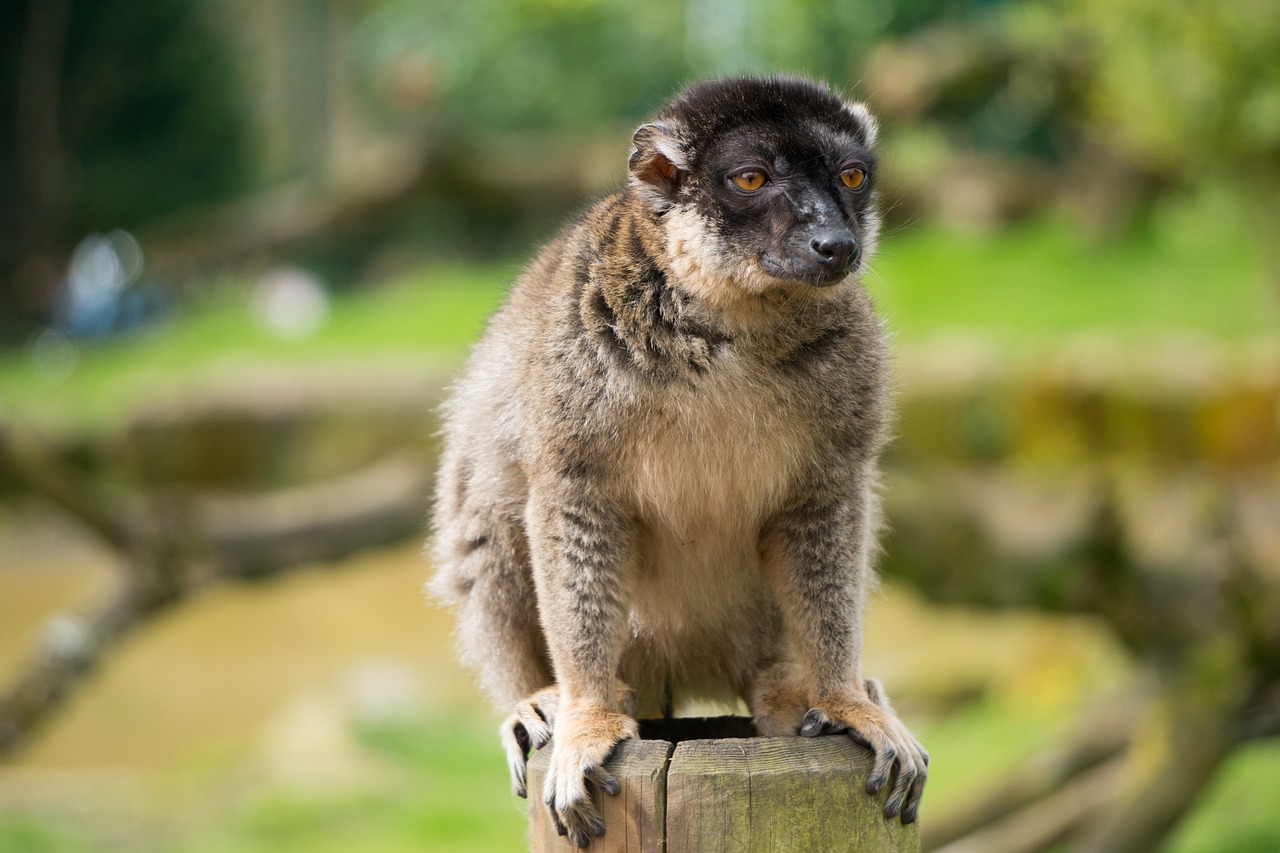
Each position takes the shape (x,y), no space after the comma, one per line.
(660,461)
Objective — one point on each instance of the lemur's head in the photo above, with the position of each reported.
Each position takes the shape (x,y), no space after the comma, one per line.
(761,182)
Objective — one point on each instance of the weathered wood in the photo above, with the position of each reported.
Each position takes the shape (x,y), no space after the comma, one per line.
(735,793)
(778,794)
(635,818)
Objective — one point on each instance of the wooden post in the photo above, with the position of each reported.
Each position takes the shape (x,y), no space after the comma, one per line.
(701,786)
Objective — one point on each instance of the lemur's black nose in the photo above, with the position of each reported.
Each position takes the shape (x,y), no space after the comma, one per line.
(834,250)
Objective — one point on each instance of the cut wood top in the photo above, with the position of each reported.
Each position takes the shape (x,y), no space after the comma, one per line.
(733,794)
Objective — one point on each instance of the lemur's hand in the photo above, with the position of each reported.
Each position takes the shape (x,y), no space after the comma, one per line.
(869,721)
(584,739)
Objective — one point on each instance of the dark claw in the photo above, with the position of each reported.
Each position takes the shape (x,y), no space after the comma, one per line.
(579,839)
(914,795)
(522,737)
(519,779)
(901,792)
(813,723)
(604,782)
(879,777)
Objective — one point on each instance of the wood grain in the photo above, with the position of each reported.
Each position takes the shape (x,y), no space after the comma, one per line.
(685,792)
(778,794)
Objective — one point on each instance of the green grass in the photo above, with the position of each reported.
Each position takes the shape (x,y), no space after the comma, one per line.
(1041,283)
(451,795)
(443,788)
(1240,811)
(428,317)
(1032,286)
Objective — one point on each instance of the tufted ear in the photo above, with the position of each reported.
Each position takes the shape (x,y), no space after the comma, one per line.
(660,158)
(860,113)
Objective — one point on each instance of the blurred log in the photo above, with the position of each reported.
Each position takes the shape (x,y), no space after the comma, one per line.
(1195,728)
(1142,819)
(169,549)
(35,464)
(256,536)
(68,649)
(281,220)
(1048,820)
(1099,738)
(547,176)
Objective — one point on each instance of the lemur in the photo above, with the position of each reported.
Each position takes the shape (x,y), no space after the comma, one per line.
(659,474)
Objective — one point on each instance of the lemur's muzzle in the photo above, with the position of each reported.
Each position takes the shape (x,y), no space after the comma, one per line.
(834,250)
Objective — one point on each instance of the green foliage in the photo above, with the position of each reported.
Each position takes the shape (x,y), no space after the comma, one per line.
(572,63)
(1183,87)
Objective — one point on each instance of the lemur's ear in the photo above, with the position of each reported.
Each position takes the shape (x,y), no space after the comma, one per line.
(660,158)
(862,115)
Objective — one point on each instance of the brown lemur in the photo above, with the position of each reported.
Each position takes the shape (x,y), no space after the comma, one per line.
(659,466)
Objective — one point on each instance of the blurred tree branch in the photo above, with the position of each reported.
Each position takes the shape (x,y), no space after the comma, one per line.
(1045,821)
(1099,739)
(544,177)
(170,548)
(1205,625)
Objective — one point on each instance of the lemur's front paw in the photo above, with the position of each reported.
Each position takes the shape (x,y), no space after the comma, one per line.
(527,729)
(584,740)
(870,722)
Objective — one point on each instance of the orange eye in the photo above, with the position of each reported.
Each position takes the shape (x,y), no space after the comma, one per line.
(853,178)
(748,181)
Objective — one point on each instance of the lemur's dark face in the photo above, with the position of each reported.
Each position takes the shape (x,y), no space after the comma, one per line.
(763,182)
(794,198)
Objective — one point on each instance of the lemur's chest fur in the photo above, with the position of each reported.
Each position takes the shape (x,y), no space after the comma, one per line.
(717,454)
(718,457)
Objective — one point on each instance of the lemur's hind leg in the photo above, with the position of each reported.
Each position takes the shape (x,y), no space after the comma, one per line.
(777,700)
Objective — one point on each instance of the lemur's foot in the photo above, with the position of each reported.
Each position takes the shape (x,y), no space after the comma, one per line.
(527,729)
(584,740)
(870,722)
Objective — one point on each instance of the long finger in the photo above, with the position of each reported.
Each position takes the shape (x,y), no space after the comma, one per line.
(906,778)
(603,780)
(531,717)
(515,744)
(886,755)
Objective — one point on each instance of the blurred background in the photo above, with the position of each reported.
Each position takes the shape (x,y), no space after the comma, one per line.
(243,245)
